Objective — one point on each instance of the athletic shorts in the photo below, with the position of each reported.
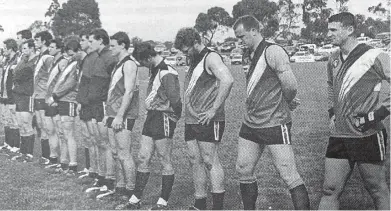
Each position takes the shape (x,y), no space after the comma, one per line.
(89,112)
(158,125)
(67,109)
(128,123)
(24,103)
(206,133)
(280,134)
(370,148)
(51,111)
(40,104)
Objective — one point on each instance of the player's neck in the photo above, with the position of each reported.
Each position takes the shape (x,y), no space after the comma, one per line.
(12,54)
(43,49)
(122,55)
(156,60)
(57,56)
(348,46)
(257,40)
(199,47)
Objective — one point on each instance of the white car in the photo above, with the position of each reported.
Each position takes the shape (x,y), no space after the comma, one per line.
(236,59)
(302,56)
(327,49)
(170,60)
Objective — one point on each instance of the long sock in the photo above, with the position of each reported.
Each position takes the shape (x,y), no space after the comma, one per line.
(249,193)
(45,148)
(167,183)
(87,154)
(200,203)
(141,182)
(300,198)
(24,144)
(110,184)
(218,201)
(16,138)
(7,131)
(31,140)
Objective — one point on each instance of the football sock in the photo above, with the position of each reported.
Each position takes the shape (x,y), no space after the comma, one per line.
(200,203)
(87,155)
(141,182)
(93,175)
(24,144)
(45,148)
(64,166)
(7,131)
(73,168)
(167,183)
(218,201)
(15,137)
(110,184)
(31,139)
(249,193)
(300,198)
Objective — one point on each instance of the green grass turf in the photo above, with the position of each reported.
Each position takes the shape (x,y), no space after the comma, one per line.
(28,186)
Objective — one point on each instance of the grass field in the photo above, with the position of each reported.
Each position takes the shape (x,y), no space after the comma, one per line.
(28,186)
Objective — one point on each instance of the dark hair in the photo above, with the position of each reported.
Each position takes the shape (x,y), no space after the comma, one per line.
(101,34)
(346,18)
(26,34)
(45,37)
(248,21)
(143,50)
(122,38)
(84,33)
(30,43)
(73,45)
(186,37)
(11,44)
(59,43)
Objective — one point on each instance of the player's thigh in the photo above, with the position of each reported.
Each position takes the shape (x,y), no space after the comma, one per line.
(123,140)
(147,148)
(209,151)
(194,151)
(248,154)
(373,173)
(164,147)
(26,119)
(337,171)
(68,124)
(49,124)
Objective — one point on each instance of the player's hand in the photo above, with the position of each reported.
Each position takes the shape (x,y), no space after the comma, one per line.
(365,121)
(206,117)
(78,109)
(332,123)
(117,123)
(50,101)
(104,121)
(294,103)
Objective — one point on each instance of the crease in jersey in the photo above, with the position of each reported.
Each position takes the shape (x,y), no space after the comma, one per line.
(357,70)
(257,73)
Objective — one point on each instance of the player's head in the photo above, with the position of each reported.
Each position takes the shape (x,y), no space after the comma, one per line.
(72,47)
(56,46)
(23,35)
(119,43)
(98,39)
(186,39)
(28,47)
(341,26)
(42,39)
(10,46)
(143,53)
(84,42)
(247,28)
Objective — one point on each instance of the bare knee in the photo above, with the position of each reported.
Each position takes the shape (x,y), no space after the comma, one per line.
(331,190)
(244,168)
(195,159)
(143,159)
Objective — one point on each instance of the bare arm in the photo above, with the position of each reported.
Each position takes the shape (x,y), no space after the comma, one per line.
(130,76)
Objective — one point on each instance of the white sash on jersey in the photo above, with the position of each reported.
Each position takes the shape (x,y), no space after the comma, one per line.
(67,70)
(197,72)
(40,64)
(53,73)
(157,83)
(257,73)
(357,70)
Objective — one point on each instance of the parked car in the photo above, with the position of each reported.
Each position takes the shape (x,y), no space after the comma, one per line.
(171,60)
(327,49)
(321,56)
(165,54)
(225,58)
(236,51)
(160,48)
(227,47)
(302,56)
(363,39)
(236,59)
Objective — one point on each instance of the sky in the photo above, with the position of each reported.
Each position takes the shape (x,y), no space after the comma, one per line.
(149,19)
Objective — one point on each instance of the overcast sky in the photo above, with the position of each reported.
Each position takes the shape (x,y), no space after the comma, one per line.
(148,19)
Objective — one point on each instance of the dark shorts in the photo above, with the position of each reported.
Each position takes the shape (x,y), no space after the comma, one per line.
(370,148)
(6,101)
(206,133)
(67,109)
(158,125)
(51,111)
(89,112)
(280,134)
(24,103)
(40,104)
(129,123)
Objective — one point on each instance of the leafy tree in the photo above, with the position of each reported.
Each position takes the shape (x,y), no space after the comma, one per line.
(381,10)
(37,26)
(76,16)
(342,7)
(288,18)
(370,27)
(135,40)
(216,19)
(315,17)
(263,10)
(168,44)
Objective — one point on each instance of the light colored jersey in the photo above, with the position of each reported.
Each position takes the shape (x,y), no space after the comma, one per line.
(201,90)
(354,85)
(41,74)
(117,91)
(265,102)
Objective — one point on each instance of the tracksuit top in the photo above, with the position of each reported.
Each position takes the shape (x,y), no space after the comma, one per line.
(23,77)
(54,74)
(266,105)
(202,89)
(354,86)
(117,91)
(163,92)
(66,84)
(6,80)
(86,70)
(41,74)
